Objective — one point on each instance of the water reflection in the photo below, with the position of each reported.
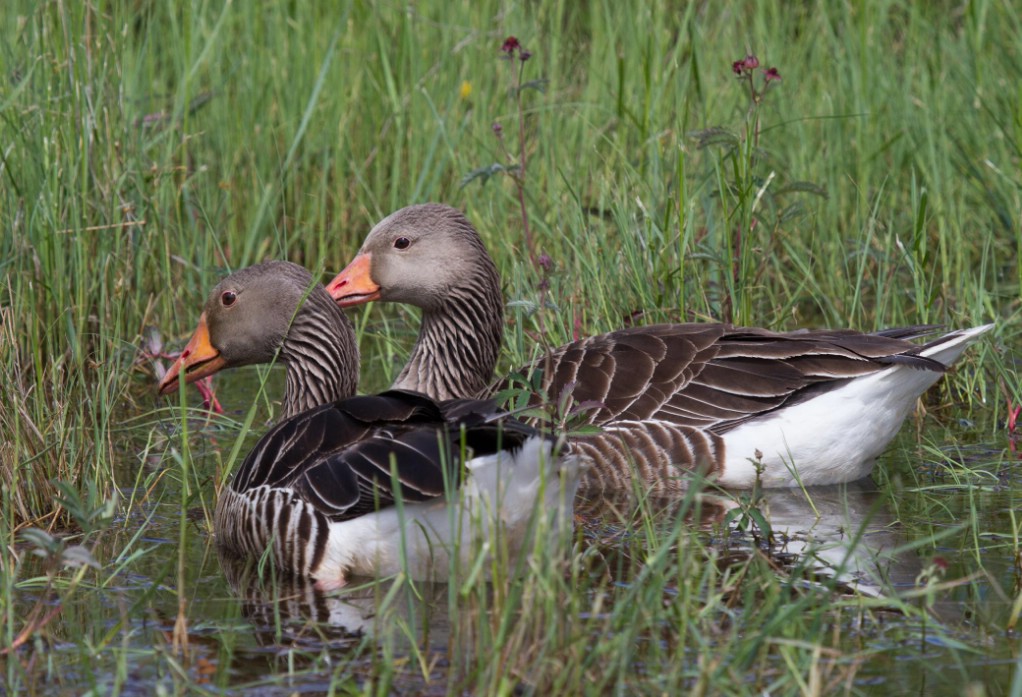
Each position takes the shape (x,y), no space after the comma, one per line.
(843,536)
(846,533)
(841,541)
(282,608)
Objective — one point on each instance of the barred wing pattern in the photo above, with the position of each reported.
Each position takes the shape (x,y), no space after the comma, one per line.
(713,375)
(666,394)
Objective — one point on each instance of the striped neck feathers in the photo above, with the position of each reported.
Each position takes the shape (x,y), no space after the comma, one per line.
(459,339)
(321,355)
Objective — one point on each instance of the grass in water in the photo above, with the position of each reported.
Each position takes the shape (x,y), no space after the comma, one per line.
(148,147)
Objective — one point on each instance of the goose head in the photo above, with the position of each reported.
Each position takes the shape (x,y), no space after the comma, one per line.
(418,255)
(270,311)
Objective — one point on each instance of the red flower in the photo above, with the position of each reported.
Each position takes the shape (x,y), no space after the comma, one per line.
(745,65)
(510,45)
(771,74)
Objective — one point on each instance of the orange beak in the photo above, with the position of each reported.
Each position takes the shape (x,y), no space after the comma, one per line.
(198,360)
(355,284)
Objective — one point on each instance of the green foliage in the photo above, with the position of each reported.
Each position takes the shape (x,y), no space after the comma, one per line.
(146,147)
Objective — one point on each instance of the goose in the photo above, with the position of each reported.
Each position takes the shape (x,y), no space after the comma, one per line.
(741,406)
(360,485)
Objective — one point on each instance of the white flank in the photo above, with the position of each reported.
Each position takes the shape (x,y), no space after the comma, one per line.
(503,497)
(837,436)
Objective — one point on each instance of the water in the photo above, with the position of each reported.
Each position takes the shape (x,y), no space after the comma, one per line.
(171,595)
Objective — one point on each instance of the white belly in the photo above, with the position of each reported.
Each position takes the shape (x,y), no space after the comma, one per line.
(829,439)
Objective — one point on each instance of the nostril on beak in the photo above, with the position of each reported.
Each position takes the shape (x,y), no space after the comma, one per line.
(185,354)
(341,283)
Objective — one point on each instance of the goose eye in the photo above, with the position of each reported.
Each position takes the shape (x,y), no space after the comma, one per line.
(228,297)
(402,243)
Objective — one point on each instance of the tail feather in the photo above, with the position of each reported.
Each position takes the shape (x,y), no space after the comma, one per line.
(949,347)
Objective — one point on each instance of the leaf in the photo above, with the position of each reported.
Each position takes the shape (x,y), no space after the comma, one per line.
(527,304)
(735,515)
(41,539)
(586,405)
(761,522)
(585,430)
(80,505)
(514,397)
(795,210)
(517,378)
(564,399)
(77,555)
(507,394)
(484,173)
(533,413)
(539,85)
(803,187)
(714,136)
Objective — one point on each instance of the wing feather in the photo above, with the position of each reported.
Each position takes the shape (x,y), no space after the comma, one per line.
(356,455)
(715,375)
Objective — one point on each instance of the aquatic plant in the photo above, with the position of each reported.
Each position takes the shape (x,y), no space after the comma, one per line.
(148,147)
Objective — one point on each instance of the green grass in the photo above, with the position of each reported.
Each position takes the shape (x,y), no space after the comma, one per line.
(147,147)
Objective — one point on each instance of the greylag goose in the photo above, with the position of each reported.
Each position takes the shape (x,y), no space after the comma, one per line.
(739,405)
(320,489)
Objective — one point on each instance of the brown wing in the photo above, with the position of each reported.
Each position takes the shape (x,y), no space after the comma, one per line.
(713,376)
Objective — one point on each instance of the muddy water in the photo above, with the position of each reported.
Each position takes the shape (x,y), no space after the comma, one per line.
(241,635)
